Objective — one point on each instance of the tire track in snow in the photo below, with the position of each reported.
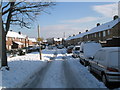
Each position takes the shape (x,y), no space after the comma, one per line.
(52,75)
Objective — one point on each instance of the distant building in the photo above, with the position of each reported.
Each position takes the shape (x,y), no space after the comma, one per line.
(55,41)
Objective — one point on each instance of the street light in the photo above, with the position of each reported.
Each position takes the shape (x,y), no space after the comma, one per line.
(0,34)
(39,43)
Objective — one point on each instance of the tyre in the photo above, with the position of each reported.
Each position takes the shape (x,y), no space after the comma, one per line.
(81,62)
(89,68)
(104,80)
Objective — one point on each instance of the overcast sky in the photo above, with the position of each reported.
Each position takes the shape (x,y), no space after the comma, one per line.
(71,18)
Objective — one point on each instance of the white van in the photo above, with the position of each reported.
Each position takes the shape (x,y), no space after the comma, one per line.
(106,63)
(88,49)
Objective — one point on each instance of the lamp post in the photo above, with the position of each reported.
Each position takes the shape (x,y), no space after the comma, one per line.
(0,34)
(39,43)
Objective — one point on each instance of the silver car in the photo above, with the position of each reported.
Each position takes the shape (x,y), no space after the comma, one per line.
(106,64)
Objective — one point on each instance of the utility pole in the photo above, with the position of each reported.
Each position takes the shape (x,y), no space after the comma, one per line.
(39,43)
(0,34)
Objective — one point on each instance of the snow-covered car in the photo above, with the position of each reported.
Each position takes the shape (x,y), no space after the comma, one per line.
(88,49)
(70,48)
(60,46)
(50,47)
(76,51)
(31,49)
(106,64)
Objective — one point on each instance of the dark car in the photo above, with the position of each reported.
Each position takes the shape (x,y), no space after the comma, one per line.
(69,49)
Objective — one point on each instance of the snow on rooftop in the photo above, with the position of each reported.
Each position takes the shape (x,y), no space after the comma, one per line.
(44,40)
(19,43)
(102,27)
(32,39)
(105,26)
(57,39)
(15,34)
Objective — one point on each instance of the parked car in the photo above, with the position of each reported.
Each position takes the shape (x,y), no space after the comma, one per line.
(88,49)
(30,49)
(50,47)
(106,64)
(60,46)
(70,48)
(76,51)
(21,51)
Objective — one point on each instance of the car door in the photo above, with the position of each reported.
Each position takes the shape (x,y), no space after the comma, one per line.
(94,62)
(101,62)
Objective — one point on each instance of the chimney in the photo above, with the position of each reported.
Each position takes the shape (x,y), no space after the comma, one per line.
(19,32)
(86,30)
(79,32)
(98,24)
(115,17)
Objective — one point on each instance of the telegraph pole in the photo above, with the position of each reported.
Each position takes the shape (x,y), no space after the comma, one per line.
(39,43)
(0,34)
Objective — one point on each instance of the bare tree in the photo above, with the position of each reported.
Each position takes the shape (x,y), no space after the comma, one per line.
(19,13)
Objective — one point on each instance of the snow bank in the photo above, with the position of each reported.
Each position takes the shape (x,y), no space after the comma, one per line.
(23,69)
(83,77)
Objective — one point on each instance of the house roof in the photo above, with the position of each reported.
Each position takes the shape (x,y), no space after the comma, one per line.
(57,39)
(19,43)
(32,39)
(102,27)
(105,26)
(15,34)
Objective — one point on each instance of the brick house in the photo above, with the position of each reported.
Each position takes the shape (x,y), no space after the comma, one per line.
(103,32)
(100,33)
(16,40)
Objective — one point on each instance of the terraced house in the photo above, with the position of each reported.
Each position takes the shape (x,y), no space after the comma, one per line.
(105,34)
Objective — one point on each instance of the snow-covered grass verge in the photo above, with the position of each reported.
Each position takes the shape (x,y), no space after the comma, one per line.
(23,69)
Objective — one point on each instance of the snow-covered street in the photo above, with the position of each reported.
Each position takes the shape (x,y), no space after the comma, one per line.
(57,70)
(64,72)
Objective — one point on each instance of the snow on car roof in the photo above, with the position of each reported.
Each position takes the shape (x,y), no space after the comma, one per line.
(102,27)
(111,48)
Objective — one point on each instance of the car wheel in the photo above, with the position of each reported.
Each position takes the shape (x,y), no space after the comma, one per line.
(104,79)
(81,62)
(89,68)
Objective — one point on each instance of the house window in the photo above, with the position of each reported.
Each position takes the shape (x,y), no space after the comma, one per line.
(87,36)
(108,32)
(99,34)
(95,35)
(104,34)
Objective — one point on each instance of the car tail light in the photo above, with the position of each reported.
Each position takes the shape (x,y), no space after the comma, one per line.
(112,69)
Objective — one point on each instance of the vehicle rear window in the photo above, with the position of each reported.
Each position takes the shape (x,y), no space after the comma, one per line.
(77,48)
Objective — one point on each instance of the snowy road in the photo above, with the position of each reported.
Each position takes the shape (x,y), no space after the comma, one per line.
(62,72)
